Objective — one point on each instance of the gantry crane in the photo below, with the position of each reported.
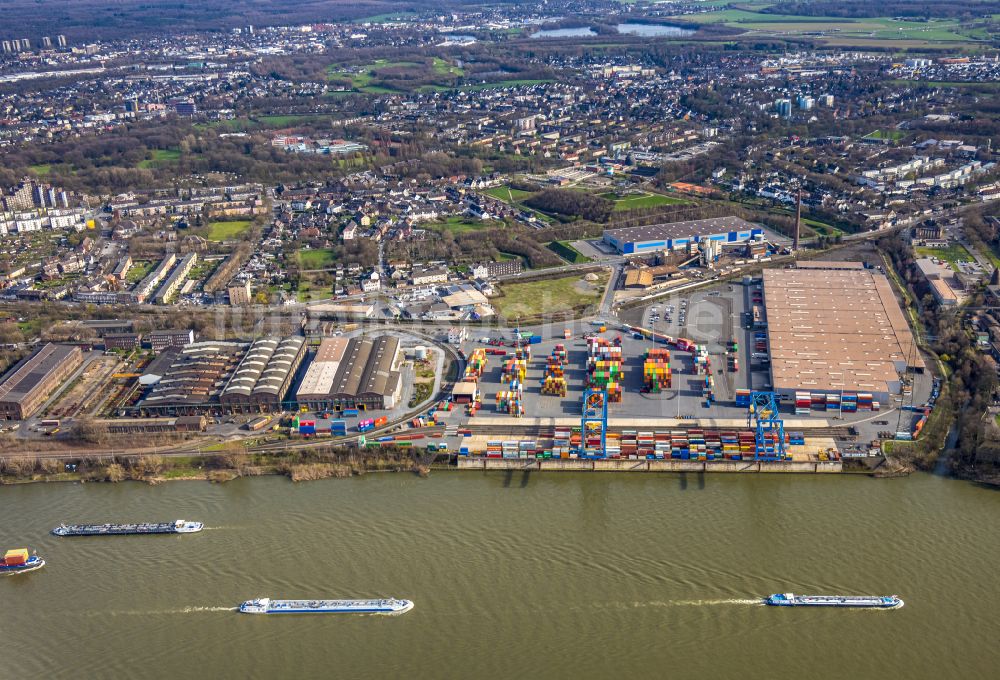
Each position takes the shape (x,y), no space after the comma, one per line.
(769,429)
(594,424)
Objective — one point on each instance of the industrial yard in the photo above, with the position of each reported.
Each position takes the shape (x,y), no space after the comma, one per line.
(747,373)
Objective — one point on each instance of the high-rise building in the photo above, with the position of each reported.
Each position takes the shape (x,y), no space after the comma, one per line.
(805,103)
(826,100)
(61,40)
(20,198)
(25,44)
(46,43)
(783,107)
(5,45)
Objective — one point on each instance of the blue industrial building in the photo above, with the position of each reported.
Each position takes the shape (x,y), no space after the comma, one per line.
(676,235)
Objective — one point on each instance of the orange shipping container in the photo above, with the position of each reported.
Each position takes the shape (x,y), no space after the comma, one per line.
(15,557)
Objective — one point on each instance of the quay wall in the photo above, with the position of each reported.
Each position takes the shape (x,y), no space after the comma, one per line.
(613,465)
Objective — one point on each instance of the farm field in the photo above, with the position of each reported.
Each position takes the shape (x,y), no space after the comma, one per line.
(841,30)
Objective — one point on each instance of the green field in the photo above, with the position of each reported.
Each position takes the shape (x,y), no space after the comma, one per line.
(953,254)
(160,157)
(401,15)
(226,231)
(515,197)
(892,135)
(139,271)
(361,79)
(315,259)
(635,202)
(285,121)
(444,68)
(549,296)
(307,293)
(510,257)
(42,169)
(567,252)
(460,224)
(841,30)
(505,193)
(990,255)
(364,79)
(821,228)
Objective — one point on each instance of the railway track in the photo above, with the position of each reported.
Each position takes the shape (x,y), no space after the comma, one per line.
(838,432)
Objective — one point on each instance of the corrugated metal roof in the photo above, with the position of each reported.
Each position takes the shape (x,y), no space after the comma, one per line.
(28,374)
(832,329)
(367,367)
(675,230)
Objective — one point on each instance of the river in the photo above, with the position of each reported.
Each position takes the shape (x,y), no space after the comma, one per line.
(552,575)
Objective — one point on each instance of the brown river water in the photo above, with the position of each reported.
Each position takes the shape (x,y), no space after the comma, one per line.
(547,575)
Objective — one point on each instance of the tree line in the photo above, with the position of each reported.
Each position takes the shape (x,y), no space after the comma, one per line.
(971,383)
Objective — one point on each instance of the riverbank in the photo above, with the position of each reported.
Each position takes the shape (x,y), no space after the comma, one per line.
(303,465)
(327,462)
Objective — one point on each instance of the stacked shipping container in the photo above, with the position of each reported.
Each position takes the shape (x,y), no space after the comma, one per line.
(694,444)
(656,372)
(554,382)
(475,365)
(604,366)
(511,401)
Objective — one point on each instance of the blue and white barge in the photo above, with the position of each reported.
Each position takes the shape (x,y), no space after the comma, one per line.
(852,601)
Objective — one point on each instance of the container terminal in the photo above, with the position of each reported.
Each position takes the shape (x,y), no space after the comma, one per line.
(790,372)
(794,369)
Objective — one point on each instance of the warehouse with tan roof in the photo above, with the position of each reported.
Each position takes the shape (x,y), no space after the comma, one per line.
(836,327)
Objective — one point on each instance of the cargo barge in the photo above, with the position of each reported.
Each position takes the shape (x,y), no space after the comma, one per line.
(859,601)
(265,605)
(18,561)
(179,526)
